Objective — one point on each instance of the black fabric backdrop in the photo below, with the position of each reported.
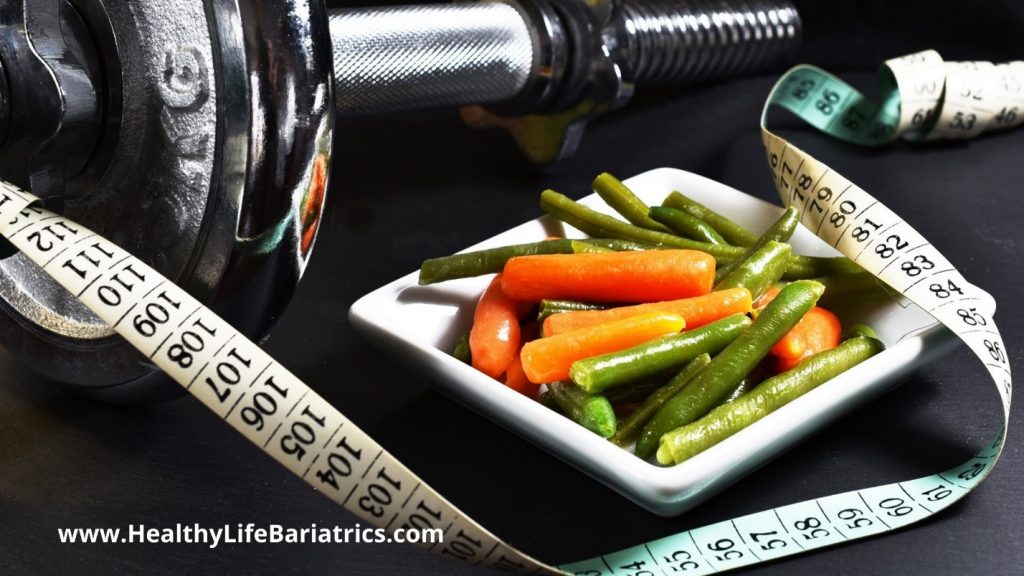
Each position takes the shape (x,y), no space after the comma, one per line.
(412,186)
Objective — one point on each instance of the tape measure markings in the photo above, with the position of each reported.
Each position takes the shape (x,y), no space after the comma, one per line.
(262,400)
(241,383)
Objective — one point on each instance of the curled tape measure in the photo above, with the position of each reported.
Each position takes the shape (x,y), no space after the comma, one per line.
(290,422)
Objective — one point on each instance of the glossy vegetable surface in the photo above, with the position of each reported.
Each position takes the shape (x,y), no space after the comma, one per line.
(658,356)
(729,367)
(610,276)
(724,421)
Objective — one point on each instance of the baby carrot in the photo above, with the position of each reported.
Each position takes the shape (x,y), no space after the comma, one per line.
(696,311)
(649,276)
(495,335)
(515,378)
(767,297)
(549,359)
(817,331)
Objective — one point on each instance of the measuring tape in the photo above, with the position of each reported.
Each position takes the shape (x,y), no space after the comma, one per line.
(284,417)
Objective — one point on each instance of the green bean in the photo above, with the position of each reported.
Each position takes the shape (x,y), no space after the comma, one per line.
(599,225)
(751,380)
(760,270)
(804,267)
(686,225)
(742,388)
(582,247)
(592,411)
(548,400)
(625,202)
(630,426)
(724,421)
(486,261)
(841,289)
(650,358)
(637,390)
(860,330)
(715,382)
(732,232)
(549,307)
(780,231)
(619,245)
(461,350)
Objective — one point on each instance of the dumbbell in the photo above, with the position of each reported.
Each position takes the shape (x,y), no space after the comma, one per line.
(197,133)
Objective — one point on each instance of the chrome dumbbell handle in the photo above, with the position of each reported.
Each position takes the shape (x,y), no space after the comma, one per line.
(674,41)
(400,58)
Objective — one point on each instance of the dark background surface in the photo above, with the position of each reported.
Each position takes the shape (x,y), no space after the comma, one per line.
(413,186)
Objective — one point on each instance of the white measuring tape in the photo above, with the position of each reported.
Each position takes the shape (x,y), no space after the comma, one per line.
(290,422)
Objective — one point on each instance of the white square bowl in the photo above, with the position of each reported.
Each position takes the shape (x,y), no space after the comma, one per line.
(420,324)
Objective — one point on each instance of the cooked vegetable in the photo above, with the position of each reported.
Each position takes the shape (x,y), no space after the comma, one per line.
(760,270)
(732,232)
(487,261)
(656,357)
(817,331)
(630,426)
(582,247)
(549,307)
(724,421)
(745,385)
(598,225)
(842,289)
(618,244)
(686,225)
(592,411)
(610,277)
(637,390)
(461,349)
(697,311)
(768,296)
(780,231)
(621,198)
(549,359)
(494,338)
(860,330)
(805,267)
(662,265)
(515,378)
(548,400)
(753,379)
(714,383)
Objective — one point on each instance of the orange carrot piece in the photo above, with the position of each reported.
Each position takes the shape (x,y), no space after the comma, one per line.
(515,378)
(767,297)
(643,276)
(817,331)
(697,311)
(549,359)
(495,335)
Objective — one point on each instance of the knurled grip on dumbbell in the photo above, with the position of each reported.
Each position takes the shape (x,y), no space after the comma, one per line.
(680,41)
(408,57)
